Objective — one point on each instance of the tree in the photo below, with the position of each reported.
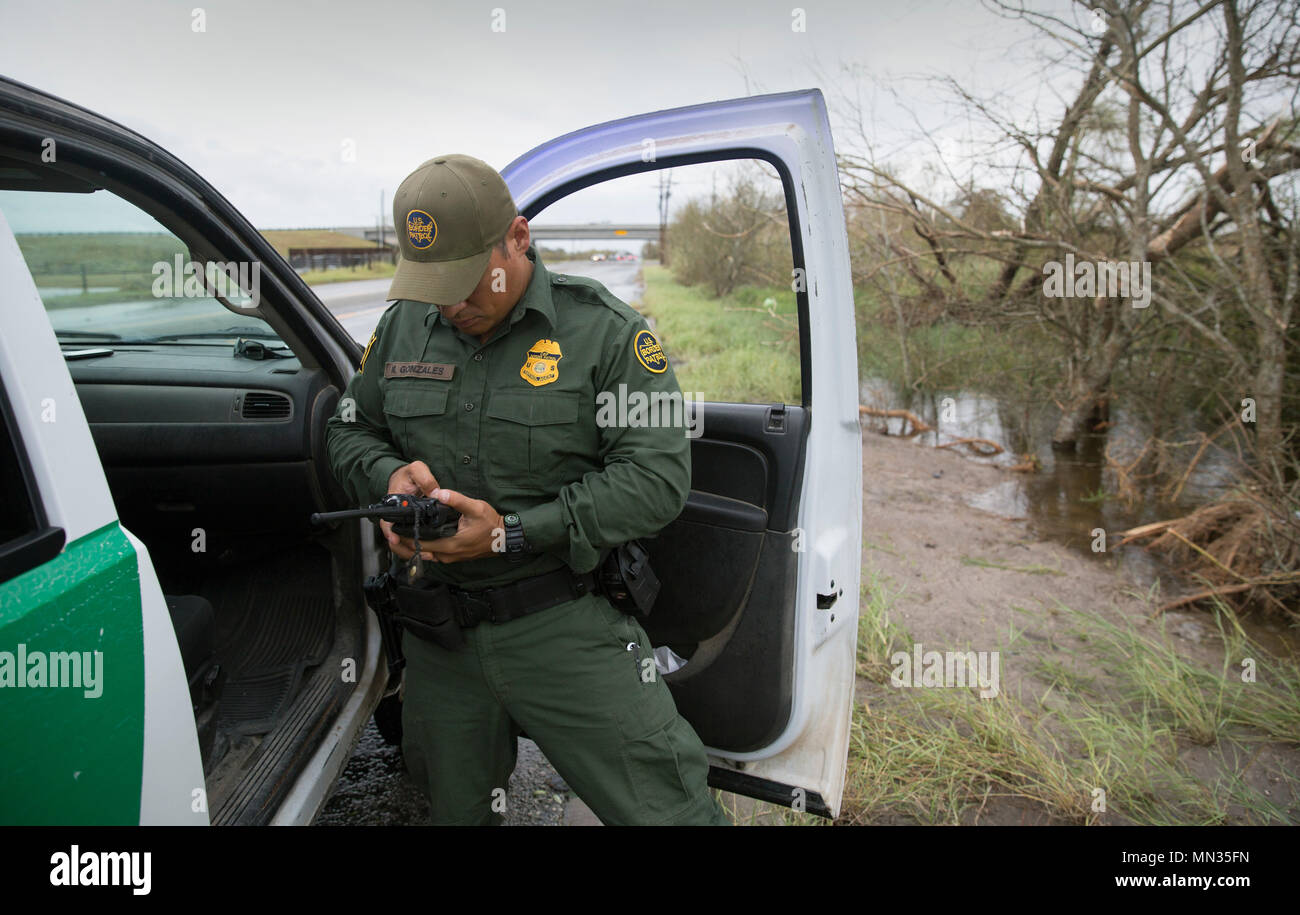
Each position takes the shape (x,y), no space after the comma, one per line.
(741,237)
(1169,147)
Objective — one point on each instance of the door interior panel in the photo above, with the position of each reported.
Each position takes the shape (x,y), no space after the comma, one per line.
(728,570)
(741,699)
(700,601)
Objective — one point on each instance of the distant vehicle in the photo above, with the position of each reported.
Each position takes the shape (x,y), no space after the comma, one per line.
(598,257)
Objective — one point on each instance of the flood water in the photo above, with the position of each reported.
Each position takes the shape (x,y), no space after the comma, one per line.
(1073,494)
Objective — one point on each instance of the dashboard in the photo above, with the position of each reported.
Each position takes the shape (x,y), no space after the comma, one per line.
(191,435)
(198,404)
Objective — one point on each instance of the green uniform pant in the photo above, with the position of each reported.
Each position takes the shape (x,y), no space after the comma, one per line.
(567,677)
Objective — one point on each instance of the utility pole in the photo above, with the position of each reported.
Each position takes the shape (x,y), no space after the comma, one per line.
(665,192)
(381,219)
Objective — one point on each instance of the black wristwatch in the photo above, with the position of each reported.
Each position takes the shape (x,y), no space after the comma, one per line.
(516,545)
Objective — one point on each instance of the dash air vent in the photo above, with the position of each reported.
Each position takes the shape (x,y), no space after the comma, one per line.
(264,405)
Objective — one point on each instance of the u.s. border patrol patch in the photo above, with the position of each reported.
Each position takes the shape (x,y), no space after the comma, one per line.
(421,230)
(649,353)
(542,364)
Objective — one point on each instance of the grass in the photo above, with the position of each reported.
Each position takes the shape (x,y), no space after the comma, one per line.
(992,564)
(1011,363)
(744,811)
(131,291)
(1101,495)
(60,258)
(729,349)
(343,274)
(1199,703)
(878,636)
(1103,736)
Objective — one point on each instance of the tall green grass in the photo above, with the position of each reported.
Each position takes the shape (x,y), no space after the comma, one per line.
(729,349)
(1104,740)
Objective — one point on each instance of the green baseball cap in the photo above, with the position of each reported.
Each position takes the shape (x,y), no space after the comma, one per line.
(448,214)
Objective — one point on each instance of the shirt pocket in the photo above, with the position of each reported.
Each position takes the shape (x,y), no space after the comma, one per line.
(415,412)
(532,434)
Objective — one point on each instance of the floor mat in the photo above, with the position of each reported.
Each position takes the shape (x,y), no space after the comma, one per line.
(275,621)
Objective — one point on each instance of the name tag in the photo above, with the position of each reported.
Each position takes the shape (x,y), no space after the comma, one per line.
(441,370)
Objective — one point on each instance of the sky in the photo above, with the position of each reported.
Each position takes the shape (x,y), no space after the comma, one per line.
(303,114)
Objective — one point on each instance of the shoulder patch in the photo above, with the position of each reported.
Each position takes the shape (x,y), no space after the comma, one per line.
(649,353)
(364,355)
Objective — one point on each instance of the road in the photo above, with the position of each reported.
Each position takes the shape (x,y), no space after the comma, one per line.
(359,304)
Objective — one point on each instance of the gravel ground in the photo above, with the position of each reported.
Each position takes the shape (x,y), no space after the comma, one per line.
(375,789)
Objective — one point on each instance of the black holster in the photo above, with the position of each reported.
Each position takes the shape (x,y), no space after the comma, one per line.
(626,579)
(381,595)
(428,610)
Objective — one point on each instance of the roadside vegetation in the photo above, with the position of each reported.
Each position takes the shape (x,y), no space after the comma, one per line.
(109,267)
(1110,724)
(737,348)
(375,271)
(1102,729)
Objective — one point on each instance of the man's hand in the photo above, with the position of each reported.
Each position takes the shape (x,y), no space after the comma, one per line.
(476,534)
(414,479)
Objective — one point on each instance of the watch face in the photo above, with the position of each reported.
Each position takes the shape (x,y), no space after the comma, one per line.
(511,519)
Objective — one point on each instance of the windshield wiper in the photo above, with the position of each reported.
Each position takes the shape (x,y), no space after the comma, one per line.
(77,338)
(212,335)
(252,333)
(87,335)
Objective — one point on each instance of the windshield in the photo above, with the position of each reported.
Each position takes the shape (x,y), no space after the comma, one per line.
(109,272)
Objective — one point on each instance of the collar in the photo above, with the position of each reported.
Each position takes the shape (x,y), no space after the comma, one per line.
(537,296)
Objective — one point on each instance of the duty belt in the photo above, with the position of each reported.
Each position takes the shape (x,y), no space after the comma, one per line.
(496,605)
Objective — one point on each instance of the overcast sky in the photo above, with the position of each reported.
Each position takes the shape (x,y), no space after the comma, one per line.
(264,99)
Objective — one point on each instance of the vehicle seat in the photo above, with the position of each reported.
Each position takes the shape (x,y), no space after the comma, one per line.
(194,621)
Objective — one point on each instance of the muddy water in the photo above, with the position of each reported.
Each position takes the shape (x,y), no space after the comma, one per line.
(1073,494)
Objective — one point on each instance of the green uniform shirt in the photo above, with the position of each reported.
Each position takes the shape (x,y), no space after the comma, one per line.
(569,415)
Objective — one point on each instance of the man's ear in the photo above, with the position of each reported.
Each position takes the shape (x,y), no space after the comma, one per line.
(520,235)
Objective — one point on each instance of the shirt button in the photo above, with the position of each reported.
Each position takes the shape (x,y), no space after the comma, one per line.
(561,278)
(468,407)
(478,357)
(465,459)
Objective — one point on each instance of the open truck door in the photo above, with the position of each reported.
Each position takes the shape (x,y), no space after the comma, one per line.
(760,571)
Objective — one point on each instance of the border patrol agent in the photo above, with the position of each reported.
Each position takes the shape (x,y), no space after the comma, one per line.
(479,388)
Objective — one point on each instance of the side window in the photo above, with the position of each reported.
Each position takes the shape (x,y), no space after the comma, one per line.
(704,252)
(109,272)
(25,542)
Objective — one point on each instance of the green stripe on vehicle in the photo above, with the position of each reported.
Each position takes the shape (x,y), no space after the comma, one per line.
(72,751)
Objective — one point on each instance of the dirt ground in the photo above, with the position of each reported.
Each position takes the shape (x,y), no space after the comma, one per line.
(966,578)
(919,526)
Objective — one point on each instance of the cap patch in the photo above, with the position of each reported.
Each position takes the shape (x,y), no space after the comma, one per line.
(421,230)
(649,353)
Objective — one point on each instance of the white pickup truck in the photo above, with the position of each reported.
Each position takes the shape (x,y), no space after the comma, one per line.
(179,645)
